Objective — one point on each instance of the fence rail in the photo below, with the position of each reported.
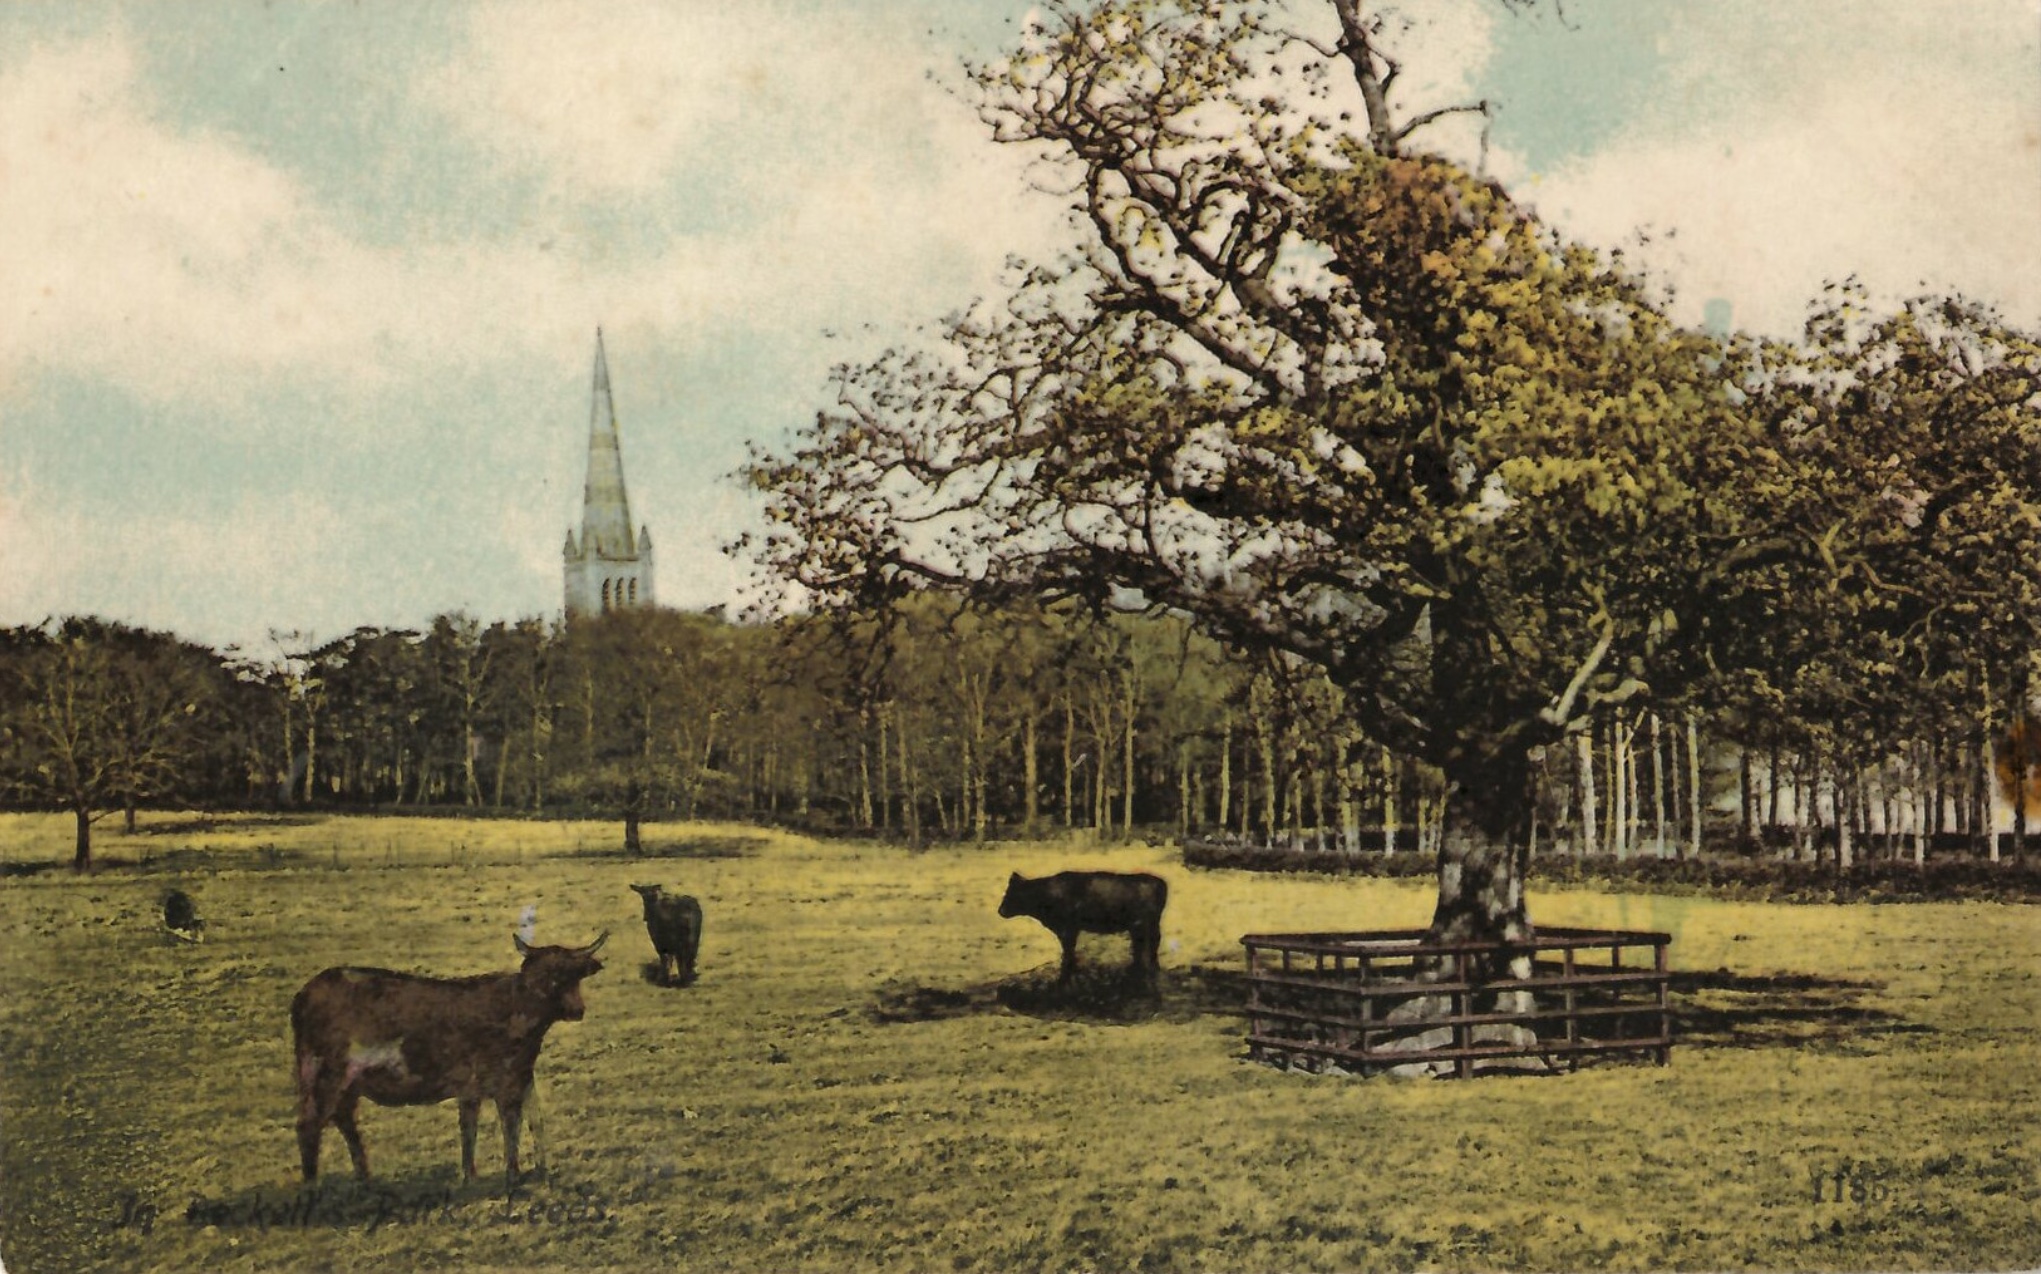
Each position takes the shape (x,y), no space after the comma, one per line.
(1386,998)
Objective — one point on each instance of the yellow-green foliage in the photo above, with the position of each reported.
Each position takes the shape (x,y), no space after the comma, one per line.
(842,1089)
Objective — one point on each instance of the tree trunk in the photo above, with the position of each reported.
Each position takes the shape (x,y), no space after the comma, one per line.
(2022,744)
(1070,744)
(885,773)
(1696,785)
(1388,802)
(1658,820)
(1584,747)
(1481,853)
(865,819)
(633,844)
(81,856)
(1030,774)
(1225,771)
(1127,771)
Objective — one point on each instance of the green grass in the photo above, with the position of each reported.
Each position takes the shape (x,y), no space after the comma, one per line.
(843,1089)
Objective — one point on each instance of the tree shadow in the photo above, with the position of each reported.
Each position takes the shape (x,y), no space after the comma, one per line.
(182,861)
(201,824)
(1721,1009)
(1718,1009)
(1109,996)
(689,847)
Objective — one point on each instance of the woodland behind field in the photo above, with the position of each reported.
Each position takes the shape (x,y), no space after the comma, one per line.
(939,721)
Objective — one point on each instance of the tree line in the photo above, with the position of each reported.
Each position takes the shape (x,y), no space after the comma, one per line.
(937,720)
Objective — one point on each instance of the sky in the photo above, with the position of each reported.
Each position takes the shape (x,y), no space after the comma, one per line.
(298,300)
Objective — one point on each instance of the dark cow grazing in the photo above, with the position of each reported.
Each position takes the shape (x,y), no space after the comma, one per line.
(1074,902)
(675,923)
(180,917)
(400,1039)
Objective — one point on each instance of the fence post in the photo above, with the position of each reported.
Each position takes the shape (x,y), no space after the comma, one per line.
(1463,1066)
(1664,1049)
(1572,1015)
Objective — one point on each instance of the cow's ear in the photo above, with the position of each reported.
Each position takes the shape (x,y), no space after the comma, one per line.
(1013,878)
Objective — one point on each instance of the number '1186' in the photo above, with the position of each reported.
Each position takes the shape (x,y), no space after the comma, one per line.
(1847,1187)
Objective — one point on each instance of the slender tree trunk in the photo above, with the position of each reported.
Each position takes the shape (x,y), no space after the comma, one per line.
(1619,791)
(1225,771)
(1388,802)
(886,772)
(1845,852)
(1584,748)
(1657,788)
(1772,787)
(864,808)
(81,852)
(2021,745)
(1070,748)
(1030,774)
(1127,759)
(1696,781)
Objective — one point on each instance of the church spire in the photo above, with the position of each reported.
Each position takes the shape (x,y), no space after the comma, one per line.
(611,567)
(605,509)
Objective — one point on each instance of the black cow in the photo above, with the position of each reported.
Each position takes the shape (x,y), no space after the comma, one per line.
(404,1040)
(180,917)
(674,922)
(1074,902)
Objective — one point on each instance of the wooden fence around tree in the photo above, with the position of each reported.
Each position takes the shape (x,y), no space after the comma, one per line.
(1389,998)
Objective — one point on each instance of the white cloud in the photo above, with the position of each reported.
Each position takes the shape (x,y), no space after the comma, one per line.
(1800,144)
(247,567)
(604,96)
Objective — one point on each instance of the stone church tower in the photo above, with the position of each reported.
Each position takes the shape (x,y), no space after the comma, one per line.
(609,569)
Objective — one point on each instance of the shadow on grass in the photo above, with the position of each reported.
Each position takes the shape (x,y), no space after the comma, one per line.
(1108,996)
(651,972)
(201,824)
(691,847)
(1717,1009)
(173,862)
(427,1197)
(1721,1009)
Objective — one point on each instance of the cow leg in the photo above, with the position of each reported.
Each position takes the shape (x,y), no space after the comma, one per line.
(471,1112)
(510,1113)
(1068,937)
(320,1094)
(343,1119)
(311,1124)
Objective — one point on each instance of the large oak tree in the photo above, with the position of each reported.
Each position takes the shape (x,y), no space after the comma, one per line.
(1322,393)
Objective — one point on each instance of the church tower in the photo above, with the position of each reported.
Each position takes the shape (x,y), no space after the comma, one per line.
(609,569)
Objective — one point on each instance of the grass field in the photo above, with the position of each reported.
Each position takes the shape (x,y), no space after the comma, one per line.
(1854,1087)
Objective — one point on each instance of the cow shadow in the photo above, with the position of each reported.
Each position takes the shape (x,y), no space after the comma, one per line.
(340,1201)
(1722,1009)
(650,971)
(1108,996)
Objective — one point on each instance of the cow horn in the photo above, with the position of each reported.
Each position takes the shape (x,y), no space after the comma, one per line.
(596,946)
(523,947)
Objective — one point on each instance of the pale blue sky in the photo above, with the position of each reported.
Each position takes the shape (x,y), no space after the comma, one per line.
(297,300)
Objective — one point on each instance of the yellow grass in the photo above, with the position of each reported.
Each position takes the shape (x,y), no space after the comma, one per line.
(842,1089)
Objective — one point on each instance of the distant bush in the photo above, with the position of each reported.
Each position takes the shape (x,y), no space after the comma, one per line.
(1757,879)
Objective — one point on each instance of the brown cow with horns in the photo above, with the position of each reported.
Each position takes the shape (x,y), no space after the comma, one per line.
(400,1039)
